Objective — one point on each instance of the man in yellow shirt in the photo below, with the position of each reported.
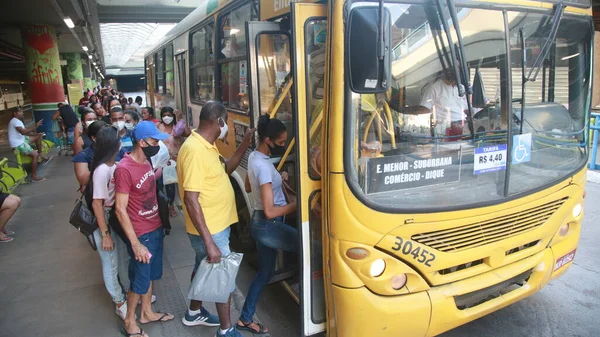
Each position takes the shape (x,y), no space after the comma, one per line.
(209,203)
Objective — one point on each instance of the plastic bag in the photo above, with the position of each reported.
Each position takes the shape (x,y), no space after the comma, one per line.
(214,282)
(169,173)
(162,157)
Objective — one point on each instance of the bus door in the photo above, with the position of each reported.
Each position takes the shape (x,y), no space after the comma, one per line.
(181,87)
(300,95)
(270,70)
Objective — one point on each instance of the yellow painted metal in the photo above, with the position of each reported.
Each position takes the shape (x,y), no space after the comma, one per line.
(282,96)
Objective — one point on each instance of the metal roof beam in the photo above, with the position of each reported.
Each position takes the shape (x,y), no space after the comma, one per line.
(134,14)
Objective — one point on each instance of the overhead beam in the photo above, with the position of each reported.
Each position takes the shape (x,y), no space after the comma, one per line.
(144,14)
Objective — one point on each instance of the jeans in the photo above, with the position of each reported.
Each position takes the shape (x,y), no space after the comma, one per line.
(270,235)
(111,261)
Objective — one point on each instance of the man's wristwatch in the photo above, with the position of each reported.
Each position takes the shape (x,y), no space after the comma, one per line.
(105,233)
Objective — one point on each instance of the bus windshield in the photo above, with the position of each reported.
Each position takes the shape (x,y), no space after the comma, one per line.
(419,146)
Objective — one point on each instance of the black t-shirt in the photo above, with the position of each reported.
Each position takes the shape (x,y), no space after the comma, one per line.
(68,116)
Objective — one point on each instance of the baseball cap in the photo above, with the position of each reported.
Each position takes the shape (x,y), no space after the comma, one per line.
(147,129)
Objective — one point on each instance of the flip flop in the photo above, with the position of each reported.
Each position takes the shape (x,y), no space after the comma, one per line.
(6,239)
(38,180)
(135,334)
(7,232)
(246,326)
(44,162)
(160,319)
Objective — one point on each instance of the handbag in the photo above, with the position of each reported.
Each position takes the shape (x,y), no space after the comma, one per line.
(83,218)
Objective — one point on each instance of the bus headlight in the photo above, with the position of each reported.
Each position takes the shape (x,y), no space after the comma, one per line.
(577,210)
(377,268)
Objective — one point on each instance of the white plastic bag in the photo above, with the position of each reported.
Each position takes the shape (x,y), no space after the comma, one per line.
(214,282)
(170,173)
(162,157)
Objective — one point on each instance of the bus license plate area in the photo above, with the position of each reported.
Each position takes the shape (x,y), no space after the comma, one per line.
(560,262)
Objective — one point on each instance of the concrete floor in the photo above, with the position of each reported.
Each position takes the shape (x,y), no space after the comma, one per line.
(51,283)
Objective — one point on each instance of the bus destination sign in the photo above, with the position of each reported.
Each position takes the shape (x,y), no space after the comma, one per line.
(401,172)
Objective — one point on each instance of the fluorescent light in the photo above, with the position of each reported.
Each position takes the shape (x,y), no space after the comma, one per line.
(84,48)
(90,57)
(234,31)
(94,63)
(69,22)
(570,56)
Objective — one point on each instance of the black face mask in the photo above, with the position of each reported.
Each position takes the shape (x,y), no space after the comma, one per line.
(151,151)
(277,150)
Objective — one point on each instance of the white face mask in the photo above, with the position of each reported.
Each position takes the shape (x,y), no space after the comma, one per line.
(119,125)
(88,123)
(224,130)
(167,119)
(129,126)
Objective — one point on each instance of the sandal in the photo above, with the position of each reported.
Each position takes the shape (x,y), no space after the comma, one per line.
(246,326)
(160,319)
(6,239)
(134,334)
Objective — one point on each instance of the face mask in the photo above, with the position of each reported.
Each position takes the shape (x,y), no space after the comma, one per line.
(277,150)
(88,123)
(167,119)
(119,125)
(151,151)
(129,126)
(224,130)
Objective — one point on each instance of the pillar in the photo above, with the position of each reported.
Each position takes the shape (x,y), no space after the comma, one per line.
(74,68)
(44,73)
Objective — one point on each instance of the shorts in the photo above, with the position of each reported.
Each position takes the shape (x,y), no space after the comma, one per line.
(221,239)
(3,197)
(141,274)
(25,148)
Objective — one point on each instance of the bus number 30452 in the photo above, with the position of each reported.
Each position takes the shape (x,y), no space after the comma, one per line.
(420,255)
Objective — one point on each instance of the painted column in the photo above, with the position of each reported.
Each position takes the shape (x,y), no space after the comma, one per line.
(44,74)
(74,68)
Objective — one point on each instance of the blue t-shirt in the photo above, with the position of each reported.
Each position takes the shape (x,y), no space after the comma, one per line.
(127,142)
(261,171)
(87,155)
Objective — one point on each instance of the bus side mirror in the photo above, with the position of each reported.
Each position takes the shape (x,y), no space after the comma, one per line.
(368,65)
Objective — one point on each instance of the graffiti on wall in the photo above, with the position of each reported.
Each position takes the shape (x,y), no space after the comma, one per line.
(43,64)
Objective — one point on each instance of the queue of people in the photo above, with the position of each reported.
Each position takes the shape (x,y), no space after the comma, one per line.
(115,166)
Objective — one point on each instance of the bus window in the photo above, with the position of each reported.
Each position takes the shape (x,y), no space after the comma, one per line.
(159,66)
(234,67)
(274,73)
(169,73)
(414,146)
(202,65)
(315,34)
(551,120)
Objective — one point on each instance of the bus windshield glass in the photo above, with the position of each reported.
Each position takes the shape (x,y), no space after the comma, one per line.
(418,147)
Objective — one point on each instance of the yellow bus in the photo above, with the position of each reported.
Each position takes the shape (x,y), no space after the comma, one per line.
(437,148)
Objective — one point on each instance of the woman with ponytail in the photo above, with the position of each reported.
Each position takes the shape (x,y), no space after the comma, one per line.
(271,205)
(102,184)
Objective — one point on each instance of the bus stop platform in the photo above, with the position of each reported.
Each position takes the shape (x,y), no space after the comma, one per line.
(51,280)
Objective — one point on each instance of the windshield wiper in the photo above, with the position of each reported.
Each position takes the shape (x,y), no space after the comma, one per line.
(539,61)
(462,78)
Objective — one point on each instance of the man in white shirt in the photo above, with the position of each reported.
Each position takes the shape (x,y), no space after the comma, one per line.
(442,100)
(22,138)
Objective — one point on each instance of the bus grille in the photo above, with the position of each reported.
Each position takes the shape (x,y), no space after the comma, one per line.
(489,231)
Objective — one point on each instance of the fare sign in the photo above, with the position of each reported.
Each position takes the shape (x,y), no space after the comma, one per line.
(489,159)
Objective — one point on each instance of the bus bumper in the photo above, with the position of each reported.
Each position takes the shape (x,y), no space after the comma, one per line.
(360,312)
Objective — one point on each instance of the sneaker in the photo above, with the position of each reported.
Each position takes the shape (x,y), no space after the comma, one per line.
(233,332)
(203,318)
(152,301)
(122,311)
